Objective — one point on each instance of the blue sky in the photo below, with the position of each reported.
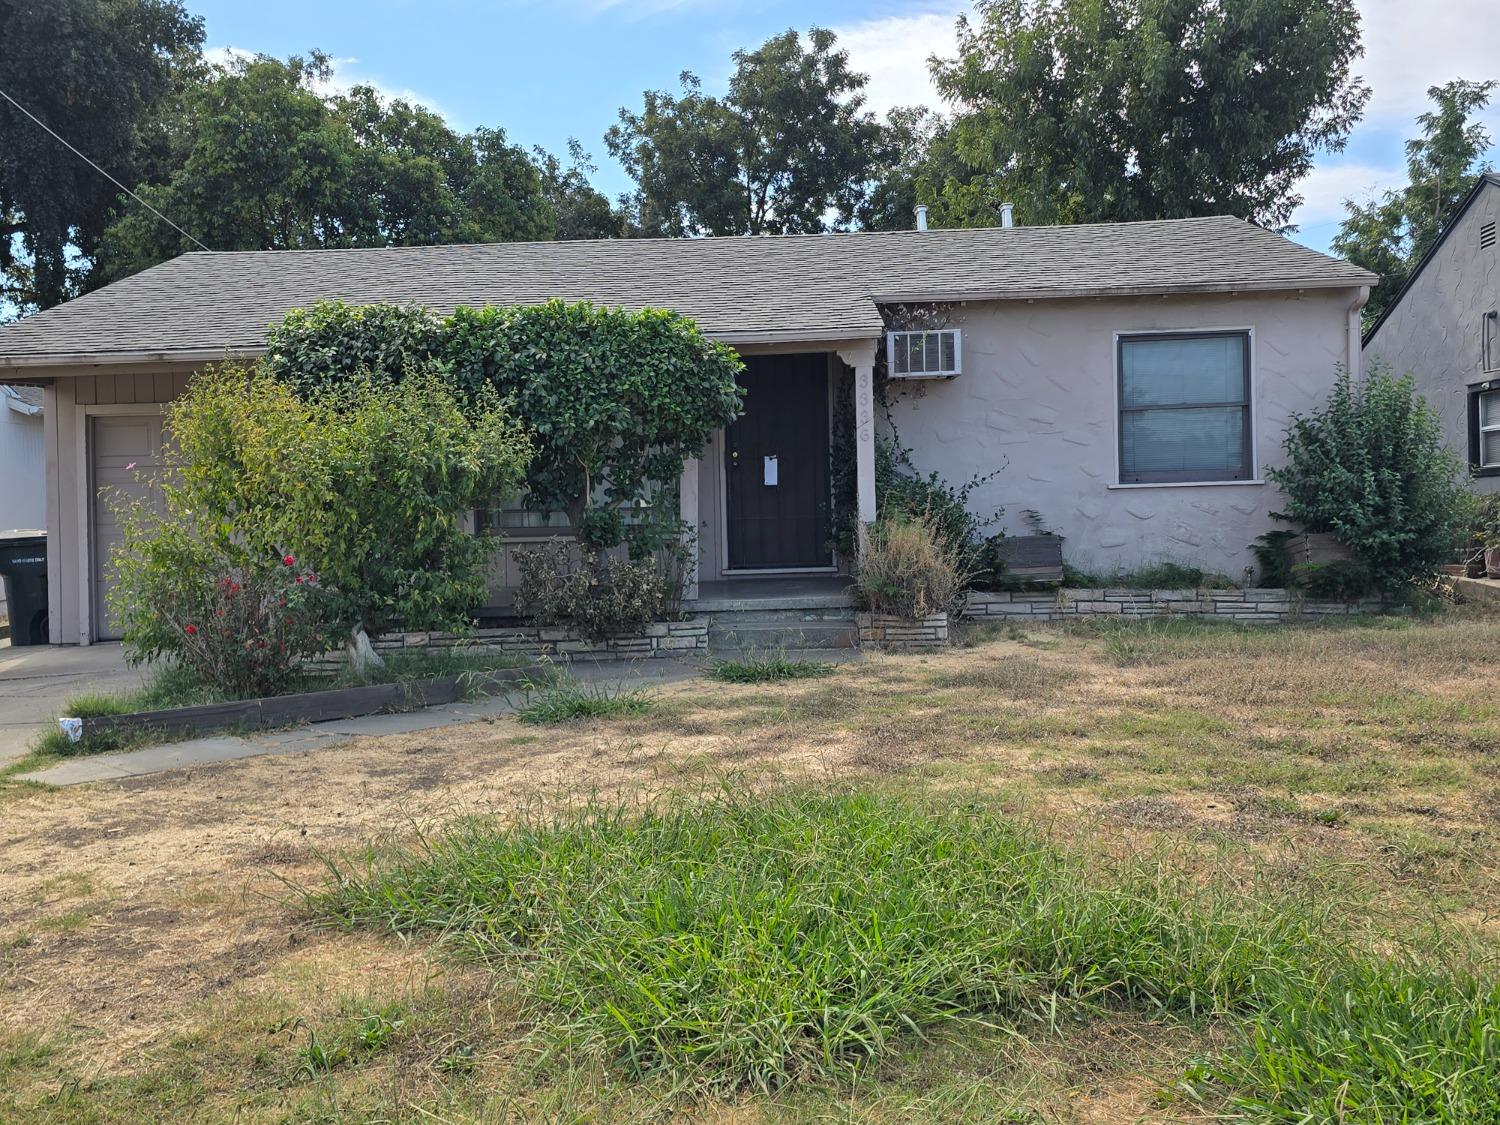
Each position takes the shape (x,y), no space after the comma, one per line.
(547,70)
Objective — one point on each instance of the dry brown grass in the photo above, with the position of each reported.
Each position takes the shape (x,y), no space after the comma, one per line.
(150,968)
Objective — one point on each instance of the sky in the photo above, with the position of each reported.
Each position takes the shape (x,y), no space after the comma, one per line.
(548,70)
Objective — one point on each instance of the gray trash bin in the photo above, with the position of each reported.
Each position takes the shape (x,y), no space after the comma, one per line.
(23,565)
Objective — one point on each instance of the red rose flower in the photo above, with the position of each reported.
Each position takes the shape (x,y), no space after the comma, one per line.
(290,560)
(191,630)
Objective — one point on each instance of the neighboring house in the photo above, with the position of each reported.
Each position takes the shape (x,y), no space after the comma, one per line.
(1444,328)
(22,463)
(1129,381)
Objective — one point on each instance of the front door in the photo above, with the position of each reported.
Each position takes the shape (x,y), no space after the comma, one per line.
(776,465)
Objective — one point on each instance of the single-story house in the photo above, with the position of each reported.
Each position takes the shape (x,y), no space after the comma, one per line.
(1129,381)
(1444,328)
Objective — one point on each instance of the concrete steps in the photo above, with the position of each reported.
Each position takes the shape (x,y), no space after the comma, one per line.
(770,630)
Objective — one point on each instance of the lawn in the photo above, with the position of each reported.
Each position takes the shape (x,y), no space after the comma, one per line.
(1136,871)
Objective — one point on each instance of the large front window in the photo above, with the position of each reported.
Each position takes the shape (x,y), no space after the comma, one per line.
(1185,408)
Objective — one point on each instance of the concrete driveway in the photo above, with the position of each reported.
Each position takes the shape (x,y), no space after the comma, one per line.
(35,680)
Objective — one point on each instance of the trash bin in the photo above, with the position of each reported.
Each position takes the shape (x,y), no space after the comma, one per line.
(23,566)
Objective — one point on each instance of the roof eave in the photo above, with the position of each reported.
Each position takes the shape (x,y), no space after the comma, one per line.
(1260,285)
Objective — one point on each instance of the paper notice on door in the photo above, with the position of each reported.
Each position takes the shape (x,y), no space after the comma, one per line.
(771,472)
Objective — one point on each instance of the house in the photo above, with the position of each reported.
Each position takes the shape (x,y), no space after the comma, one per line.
(1129,381)
(1444,328)
(22,461)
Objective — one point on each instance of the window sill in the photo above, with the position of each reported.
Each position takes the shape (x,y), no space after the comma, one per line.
(1187,484)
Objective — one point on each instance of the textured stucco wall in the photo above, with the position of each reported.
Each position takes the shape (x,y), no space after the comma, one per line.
(1435,331)
(1037,401)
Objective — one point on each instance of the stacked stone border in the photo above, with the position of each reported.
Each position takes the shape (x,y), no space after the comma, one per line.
(882,630)
(1271,606)
(661,638)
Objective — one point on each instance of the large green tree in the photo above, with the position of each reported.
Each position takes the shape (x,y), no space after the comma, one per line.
(1113,110)
(1390,234)
(100,73)
(789,145)
(270,162)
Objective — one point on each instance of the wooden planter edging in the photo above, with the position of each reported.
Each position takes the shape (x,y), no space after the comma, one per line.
(1270,606)
(304,707)
(885,630)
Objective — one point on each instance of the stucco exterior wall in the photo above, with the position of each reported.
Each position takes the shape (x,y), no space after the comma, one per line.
(1435,331)
(1037,400)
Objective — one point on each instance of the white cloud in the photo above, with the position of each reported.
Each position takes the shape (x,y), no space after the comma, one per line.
(347,74)
(1327,186)
(894,51)
(1411,45)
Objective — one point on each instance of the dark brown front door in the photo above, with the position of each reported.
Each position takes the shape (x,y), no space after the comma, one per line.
(776,463)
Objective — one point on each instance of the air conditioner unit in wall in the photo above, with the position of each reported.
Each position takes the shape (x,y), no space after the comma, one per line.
(924,355)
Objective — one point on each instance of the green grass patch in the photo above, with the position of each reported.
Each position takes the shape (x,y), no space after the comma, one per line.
(768,668)
(573,699)
(1158,576)
(757,941)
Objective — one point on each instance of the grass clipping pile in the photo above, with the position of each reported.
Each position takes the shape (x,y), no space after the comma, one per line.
(757,941)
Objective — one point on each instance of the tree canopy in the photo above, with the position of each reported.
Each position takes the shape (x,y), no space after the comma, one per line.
(1390,234)
(1115,110)
(101,73)
(272,163)
(787,148)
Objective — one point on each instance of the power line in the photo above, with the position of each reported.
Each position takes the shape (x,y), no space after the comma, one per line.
(63,141)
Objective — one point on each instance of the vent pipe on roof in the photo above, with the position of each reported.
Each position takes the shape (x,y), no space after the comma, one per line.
(1007,214)
(921,216)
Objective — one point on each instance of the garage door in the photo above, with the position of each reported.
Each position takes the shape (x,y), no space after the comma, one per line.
(126,453)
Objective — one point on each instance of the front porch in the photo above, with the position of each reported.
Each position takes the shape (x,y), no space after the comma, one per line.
(776,592)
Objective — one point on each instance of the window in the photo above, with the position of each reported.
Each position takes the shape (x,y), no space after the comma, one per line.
(1484,431)
(1185,408)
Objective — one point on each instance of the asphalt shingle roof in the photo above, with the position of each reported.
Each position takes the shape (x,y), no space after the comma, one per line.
(803,286)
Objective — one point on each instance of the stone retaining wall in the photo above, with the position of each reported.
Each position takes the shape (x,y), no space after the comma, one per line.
(886,631)
(1268,606)
(661,638)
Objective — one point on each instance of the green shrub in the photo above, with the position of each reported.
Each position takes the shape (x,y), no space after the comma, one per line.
(600,597)
(903,493)
(1273,551)
(1372,468)
(615,401)
(908,569)
(363,485)
(1156,576)
(1343,580)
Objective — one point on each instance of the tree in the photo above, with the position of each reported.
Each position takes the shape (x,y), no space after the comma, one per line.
(361,483)
(1115,110)
(271,163)
(1389,235)
(579,210)
(100,73)
(1371,466)
(789,145)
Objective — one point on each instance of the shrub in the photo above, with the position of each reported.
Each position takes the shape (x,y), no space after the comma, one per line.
(907,569)
(901,492)
(771,668)
(1371,467)
(363,483)
(571,700)
(1343,580)
(601,597)
(242,622)
(616,401)
(1273,551)
(1487,522)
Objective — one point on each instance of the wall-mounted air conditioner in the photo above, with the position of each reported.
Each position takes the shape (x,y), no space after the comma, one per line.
(924,355)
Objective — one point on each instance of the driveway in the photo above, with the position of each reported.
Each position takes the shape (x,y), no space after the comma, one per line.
(34,681)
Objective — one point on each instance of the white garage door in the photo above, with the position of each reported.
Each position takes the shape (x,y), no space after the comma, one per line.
(126,453)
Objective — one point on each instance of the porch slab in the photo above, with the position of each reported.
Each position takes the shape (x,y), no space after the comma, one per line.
(765,592)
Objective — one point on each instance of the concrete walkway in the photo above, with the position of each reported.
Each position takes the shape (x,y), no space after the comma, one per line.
(35,680)
(225,748)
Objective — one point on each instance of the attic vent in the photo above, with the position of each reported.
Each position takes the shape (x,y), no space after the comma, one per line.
(1487,235)
(924,355)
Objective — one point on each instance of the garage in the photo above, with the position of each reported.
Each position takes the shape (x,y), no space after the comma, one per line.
(124,460)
